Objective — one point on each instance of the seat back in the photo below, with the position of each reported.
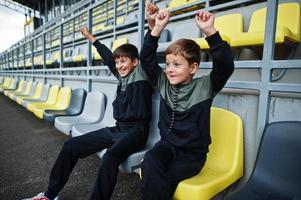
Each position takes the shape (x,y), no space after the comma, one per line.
(28,87)
(53,93)
(226,131)
(63,99)
(38,90)
(278,162)
(119,42)
(77,101)
(6,82)
(181,31)
(154,133)
(288,16)
(45,92)
(20,86)
(95,106)
(229,24)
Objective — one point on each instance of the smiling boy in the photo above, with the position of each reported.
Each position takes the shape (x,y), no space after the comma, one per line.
(184,120)
(132,112)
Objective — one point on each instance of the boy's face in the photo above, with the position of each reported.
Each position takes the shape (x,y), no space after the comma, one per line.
(178,69)
(125,65)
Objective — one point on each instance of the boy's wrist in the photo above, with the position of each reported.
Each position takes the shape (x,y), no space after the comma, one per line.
(156,31)
(209,31)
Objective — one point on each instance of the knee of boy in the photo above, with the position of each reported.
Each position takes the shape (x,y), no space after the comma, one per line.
(69,145)
(109,158)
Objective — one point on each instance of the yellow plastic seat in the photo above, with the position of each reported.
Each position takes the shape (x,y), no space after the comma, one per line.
(118,42)
(178,3)
(224,163)
(227,25)
(287,27)
(13,96)
(52,96)
(19,89)
(6,83)
(37,94)
(95,54)
(62,102)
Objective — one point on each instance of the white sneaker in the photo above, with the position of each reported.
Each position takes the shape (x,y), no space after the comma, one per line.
(41,196)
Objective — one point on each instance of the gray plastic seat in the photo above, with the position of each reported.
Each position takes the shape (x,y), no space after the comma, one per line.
(276,174)
(135,159)
(184,30)
(30,93)
(76,106)
(43,97)
(93,112)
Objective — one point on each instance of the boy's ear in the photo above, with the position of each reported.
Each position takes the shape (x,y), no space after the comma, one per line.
(194,67)
(135,62)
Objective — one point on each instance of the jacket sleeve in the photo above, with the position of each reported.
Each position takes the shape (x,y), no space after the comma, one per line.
(148,58)
(107,56)
(222,62)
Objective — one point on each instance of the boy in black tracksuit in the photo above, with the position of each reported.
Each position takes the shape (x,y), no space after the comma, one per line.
(185,103)
(132,111)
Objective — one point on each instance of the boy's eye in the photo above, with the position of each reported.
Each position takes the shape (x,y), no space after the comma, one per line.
(177,64)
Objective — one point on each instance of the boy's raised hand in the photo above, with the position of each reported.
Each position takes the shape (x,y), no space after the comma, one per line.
(160,22)
(205,21)
(151,11)
(86,33)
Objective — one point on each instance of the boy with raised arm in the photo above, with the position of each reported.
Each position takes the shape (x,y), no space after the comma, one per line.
(132,112)
(184,120)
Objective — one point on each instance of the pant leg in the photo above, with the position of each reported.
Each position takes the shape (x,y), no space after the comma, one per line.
(72,150)
(182,167)
(164,167)
(129,142)
(155,183)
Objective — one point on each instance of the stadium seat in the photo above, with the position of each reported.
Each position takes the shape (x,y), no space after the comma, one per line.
(93,112)
(13,96)
(287,28)
(6,83)
(18,98)
(227,25)
(179,3)
(36,94)
(19,89)
(135,159)
(24,86)
(76,106)
(180,32)
(39,98)
(62,102)
(224,163)
(11,87)
(80,53)
(51,99)
(118,42)
(276,174)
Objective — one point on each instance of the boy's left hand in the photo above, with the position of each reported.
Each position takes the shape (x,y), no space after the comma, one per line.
(151,11)
(205,21)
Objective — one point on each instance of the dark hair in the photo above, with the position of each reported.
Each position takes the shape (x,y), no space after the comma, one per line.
(126,50)
(189,49)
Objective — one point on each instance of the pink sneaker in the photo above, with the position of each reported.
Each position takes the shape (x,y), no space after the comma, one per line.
(40,196)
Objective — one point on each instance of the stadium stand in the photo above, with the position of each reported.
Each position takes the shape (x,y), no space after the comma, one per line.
(94,109)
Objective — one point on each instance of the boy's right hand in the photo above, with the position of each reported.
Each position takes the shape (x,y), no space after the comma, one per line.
(161,21)
(86,33)
(151,11)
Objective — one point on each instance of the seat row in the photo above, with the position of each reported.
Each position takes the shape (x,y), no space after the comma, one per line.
(75,112)
(231,26)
